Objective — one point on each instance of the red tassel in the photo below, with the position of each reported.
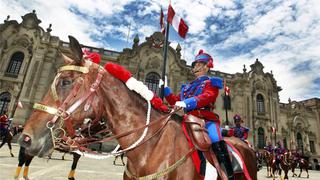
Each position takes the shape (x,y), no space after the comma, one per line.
(158,104)
(94,57)
(200,51)
(118,71)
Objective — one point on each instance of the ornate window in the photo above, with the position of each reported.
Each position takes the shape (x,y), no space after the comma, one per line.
(312,147)
(260,104)
(15,64)
(152,81)
(261,140)
(5,98)
(299,142)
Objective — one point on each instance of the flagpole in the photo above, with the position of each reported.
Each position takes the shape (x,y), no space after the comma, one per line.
(225,103)
(165,54)
(226,108)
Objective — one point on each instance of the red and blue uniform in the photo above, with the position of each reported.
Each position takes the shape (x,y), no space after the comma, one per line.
(239,132)
(200,96)
(3,124)
(269,148)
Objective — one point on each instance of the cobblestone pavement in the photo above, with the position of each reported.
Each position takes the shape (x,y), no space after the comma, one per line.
(88,169)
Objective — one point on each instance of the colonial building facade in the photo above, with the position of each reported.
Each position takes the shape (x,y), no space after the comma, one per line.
(29,59)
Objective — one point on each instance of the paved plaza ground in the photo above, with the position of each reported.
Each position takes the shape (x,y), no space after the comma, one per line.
(88,169)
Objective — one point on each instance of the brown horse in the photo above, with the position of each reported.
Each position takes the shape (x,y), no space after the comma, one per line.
(8,136)
(285,164)
(270,160)
(164,152)
(303,165)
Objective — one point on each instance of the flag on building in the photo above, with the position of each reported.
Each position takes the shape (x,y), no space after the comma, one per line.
(162,25)
(273,129)
(177,22)
(226,98)
(20,105)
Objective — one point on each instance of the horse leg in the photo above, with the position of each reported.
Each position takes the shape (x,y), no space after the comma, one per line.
(26,167)
(115,159)
(122,155)
(4,140)
(10,148)
(307,172)
(22,160)
(286,174)
(62,158)
(76,158)
(300,172)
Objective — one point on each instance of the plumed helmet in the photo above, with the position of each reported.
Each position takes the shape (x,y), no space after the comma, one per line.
(203,57)
(237,117)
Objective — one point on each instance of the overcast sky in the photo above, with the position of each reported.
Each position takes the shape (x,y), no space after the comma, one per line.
(283,34)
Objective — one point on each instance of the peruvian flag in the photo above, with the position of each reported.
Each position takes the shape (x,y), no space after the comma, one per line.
(273,130)
(178,23)
(227,90)
(162,26)
(20,104)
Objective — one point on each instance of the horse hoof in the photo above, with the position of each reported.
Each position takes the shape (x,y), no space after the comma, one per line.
(15,177)
(71,178)
(11,155)
(26,177)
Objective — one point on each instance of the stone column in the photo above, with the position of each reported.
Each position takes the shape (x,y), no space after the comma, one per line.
(307,140)
(293,138)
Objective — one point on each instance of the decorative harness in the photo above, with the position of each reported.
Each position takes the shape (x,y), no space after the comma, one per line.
(64,112)
(66,137)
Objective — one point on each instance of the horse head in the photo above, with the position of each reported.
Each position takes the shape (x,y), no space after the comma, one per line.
(65,106)
(82,89)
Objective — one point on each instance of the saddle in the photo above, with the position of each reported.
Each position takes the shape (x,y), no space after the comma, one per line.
(198,133)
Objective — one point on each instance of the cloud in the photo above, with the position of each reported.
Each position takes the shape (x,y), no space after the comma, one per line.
(282,34)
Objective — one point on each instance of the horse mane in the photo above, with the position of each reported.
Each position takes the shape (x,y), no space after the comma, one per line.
(120,73)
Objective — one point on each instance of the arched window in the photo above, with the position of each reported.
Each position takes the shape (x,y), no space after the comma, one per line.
(285,143)
(5,98)
(261,141)
(260,104)
(299,142)
(152,81)
(15,64)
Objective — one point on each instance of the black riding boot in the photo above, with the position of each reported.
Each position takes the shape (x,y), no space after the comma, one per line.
(220,150)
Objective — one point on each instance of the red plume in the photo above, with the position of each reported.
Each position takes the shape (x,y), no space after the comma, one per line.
(118,71)
(200,51)
(94,57)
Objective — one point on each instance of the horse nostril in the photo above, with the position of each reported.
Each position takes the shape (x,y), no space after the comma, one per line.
(25,140)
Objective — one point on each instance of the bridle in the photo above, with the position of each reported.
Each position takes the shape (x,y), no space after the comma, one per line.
(63,112)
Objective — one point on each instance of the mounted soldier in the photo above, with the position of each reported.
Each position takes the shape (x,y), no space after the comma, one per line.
(4,124)
(198,98)
(279,151)
(269,147)
(238,130)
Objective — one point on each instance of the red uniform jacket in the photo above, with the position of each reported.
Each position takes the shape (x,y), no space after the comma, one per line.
(199,96)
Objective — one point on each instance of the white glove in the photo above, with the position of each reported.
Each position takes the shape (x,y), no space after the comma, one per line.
(165,82)
(181,104)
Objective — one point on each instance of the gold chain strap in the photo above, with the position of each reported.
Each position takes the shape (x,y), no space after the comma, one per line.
(161,173)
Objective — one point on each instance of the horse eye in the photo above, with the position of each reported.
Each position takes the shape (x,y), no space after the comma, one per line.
(66,82)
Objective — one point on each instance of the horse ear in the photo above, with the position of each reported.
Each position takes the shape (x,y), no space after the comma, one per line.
(66,59)
(76,49)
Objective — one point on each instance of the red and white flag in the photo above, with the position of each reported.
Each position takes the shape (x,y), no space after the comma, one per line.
(20,105)
(273,130)
(162,25)
(178,23)
(227,90)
